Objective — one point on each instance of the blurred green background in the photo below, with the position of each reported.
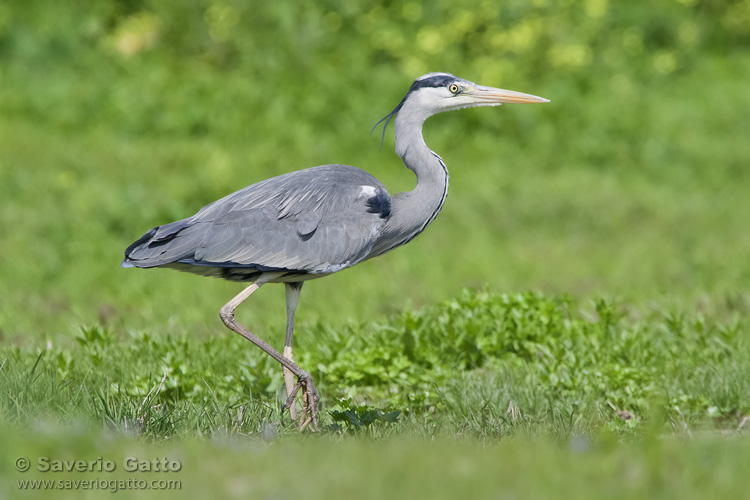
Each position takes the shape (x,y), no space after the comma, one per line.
(121,115)
(630,185)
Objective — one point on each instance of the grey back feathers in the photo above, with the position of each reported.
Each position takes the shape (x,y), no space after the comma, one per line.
(318,221)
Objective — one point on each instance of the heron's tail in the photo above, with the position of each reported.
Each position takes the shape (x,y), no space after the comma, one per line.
(153,248)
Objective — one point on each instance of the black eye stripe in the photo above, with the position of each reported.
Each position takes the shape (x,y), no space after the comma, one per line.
(433,81)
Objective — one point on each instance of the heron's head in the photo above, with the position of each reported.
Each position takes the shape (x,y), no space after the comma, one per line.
(436,92)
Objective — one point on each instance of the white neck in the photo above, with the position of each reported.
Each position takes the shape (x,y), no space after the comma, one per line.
(413,211)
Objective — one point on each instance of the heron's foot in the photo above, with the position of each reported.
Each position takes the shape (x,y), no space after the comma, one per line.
(310,398)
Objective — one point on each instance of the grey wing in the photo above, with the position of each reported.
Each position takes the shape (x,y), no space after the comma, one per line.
(318,220)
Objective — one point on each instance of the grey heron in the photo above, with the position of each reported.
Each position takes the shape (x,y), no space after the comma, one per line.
(314,222)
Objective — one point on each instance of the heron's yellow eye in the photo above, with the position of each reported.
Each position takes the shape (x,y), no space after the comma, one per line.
(453,88)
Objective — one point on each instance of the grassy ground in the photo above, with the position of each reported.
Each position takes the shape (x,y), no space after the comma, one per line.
(487,394)
(622,205)
(484,365)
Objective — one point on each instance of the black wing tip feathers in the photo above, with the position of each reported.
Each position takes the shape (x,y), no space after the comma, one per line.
(140,241)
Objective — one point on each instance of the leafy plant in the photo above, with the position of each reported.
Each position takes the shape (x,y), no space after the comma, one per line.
(353,418)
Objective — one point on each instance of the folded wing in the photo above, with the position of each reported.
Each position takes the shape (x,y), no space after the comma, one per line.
(318,220)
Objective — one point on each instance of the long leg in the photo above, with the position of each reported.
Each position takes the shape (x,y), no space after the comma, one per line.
(292,298)
(304,380)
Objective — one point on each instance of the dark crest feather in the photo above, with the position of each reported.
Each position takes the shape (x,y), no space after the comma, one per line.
(387,119)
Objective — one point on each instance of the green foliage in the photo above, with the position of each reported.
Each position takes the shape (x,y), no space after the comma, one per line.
(468,363)
(541,340)
(357,417)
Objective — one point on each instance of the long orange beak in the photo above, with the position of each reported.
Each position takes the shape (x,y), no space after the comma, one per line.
(490,95)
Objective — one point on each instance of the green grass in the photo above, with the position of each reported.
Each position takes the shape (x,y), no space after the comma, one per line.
(484,365)
(590,263)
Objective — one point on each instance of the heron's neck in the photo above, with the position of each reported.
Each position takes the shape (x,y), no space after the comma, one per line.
(414,210)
